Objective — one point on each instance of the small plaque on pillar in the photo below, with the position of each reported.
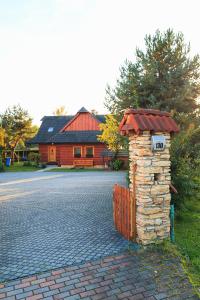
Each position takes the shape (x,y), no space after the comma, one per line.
(158,142)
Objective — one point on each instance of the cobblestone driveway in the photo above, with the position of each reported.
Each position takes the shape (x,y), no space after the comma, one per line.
(50,220)
(148,275)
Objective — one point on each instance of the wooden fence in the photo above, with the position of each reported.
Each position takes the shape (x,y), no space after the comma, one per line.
(124,211)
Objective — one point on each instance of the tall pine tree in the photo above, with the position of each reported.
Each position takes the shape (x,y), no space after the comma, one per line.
(165,76)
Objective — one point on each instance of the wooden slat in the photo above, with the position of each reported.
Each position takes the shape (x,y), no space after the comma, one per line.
(124,211)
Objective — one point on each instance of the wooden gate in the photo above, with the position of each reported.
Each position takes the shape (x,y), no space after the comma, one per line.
(124,211)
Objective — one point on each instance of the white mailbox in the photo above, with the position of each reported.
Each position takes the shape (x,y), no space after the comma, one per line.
(158,142)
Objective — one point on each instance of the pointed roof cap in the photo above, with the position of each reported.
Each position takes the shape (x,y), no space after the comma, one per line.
(83,110)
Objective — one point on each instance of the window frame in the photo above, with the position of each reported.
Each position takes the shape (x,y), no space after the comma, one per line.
(74,152)
(86,147)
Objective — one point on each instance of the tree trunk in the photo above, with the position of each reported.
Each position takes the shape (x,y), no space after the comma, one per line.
(12,156)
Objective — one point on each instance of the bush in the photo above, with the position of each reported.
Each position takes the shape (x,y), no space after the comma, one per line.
(34,157)
(185,158)
(43,165)
(116,164)
(2,167)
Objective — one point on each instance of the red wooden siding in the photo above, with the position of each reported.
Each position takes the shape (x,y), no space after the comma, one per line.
(66,157)
(82,121)
(64,153)
(43,150)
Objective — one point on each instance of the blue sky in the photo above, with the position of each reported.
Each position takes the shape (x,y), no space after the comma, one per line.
(64,52)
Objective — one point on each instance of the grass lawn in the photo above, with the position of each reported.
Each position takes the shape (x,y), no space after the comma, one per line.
(18,167)
(187,235)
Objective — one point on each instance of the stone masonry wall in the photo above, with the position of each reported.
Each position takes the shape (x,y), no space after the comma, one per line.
(151,179)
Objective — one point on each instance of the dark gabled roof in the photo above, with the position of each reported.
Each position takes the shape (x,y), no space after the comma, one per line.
(75,137)
(83,110)
(100,118)
(58,122)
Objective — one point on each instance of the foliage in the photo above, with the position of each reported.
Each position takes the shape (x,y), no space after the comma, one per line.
(116,164)
(185,157)
(60,111)
(2,169)
(94,112)
(165,76)
(110,134)
(27,163)
(17,125)
(1,161)
(187,236)
(43,165)
(2,137)
(34,157)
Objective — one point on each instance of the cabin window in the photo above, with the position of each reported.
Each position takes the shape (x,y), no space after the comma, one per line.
(50,129)
(77,151)
(89,152)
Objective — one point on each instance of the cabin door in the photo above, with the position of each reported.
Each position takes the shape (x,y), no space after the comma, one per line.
(52,154)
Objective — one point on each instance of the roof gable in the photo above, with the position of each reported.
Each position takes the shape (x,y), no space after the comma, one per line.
(52,126)
(82,121)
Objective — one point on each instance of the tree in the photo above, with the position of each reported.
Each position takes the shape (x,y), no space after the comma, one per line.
(18,127)
(2,137)
(165,76)
(110,134)
(185,158)
(60,111)
(94,112)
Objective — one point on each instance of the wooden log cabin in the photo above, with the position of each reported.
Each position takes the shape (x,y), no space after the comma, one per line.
(72,141)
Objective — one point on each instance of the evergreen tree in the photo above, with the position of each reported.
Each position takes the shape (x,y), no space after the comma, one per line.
(164,77)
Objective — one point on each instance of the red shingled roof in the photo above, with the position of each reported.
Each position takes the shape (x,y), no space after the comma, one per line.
(138,120)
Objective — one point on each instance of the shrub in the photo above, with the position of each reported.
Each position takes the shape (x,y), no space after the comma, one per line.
(2,167)
(117,164)
(1,162)
(43,165)
(34,157)
(185,158)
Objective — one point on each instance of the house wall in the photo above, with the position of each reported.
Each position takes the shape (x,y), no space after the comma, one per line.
(43,150)
(65,156)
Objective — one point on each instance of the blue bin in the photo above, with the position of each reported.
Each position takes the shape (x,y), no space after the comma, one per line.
(8,161)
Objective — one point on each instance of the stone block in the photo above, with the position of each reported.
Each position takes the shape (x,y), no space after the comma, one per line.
(149,210)
(144,163)
(161,163)
(159,189)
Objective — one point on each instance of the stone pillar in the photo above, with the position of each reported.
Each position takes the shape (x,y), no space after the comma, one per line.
(150,176)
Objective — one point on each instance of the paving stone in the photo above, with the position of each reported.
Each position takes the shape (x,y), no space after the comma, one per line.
(40,221)
(24,295)
(70,262)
